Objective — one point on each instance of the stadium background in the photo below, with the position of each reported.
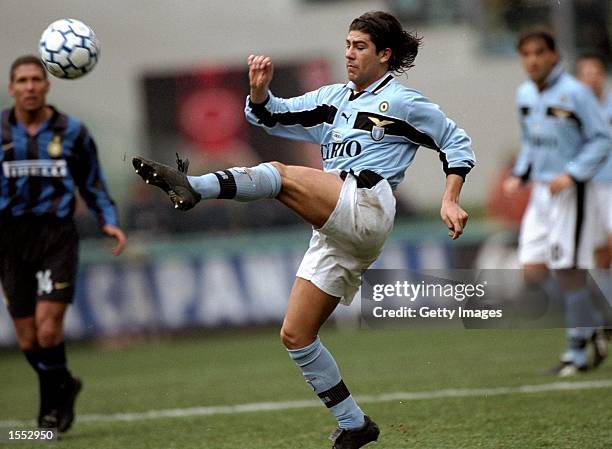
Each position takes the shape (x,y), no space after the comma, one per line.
(217,279)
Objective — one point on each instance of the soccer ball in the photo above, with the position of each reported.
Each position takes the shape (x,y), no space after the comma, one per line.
(69,49)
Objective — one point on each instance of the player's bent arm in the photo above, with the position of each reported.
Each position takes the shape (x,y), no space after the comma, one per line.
(456,154)
(522,165)
(441,134)
(451,212)
(598,140)
(299,118)
(261,71)
(521,169)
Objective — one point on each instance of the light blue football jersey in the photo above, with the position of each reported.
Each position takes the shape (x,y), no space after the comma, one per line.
(378,129)
(605,174)
(563,130)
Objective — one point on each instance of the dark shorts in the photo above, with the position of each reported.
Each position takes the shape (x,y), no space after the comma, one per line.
(38,261)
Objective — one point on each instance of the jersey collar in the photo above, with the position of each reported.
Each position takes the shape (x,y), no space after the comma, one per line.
(607,99)
(56,122)
(376,86)
(554,76)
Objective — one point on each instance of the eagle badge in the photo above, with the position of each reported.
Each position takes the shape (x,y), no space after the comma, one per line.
(378,130)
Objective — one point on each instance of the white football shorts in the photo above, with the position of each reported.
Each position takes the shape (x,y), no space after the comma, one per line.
(602,202)
(559,230)
(351,239)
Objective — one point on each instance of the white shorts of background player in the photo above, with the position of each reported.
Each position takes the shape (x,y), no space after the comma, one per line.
(549,231)
(602,202)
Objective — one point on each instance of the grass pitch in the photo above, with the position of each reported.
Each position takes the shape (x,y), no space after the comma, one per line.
(183,373)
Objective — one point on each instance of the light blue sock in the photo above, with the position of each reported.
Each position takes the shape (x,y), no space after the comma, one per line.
(580,310)
(552,288)
(576,352)
(581,319)
(321,372)
(239,183)
(206,185)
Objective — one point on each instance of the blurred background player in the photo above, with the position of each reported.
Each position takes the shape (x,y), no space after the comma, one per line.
(369,130)
(46,155)
(591,70)
(565,141)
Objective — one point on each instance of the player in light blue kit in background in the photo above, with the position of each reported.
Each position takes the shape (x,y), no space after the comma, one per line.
(565,141)
(369,130)
(591,70)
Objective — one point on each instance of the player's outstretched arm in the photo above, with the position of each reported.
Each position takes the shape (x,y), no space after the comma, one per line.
(261,71)
(451,212)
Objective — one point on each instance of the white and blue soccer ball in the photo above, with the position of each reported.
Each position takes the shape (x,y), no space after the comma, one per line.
(69,49)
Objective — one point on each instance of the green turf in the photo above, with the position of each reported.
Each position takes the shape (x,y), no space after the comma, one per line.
(252,367)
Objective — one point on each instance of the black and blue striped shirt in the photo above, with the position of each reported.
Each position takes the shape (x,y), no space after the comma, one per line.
(40,174)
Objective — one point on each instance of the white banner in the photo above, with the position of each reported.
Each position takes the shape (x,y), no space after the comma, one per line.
(238,290)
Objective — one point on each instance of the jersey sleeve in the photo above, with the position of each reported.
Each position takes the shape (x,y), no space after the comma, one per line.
(89,178)
(298,118)
(598,141)
(522,166)
(436,131)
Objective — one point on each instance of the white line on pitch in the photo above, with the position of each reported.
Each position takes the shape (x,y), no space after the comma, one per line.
(287,405)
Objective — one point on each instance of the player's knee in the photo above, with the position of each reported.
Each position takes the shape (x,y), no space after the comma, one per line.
(25,329)
(28,343)
(290,339)
(286,338)
(49,334)
(293,339)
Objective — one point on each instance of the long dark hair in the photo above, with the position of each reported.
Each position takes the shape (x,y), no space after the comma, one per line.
(387,32)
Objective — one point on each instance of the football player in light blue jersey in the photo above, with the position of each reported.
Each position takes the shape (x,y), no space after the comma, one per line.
(564,134)
(565,141)
(378,128)
(591,70)
(369,130)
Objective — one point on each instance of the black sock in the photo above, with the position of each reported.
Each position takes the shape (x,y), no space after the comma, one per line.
(53,359)
(54,374)
(33,357)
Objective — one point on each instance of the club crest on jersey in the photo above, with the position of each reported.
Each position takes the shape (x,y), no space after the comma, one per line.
(378,130)
(560,113)
(55,147)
